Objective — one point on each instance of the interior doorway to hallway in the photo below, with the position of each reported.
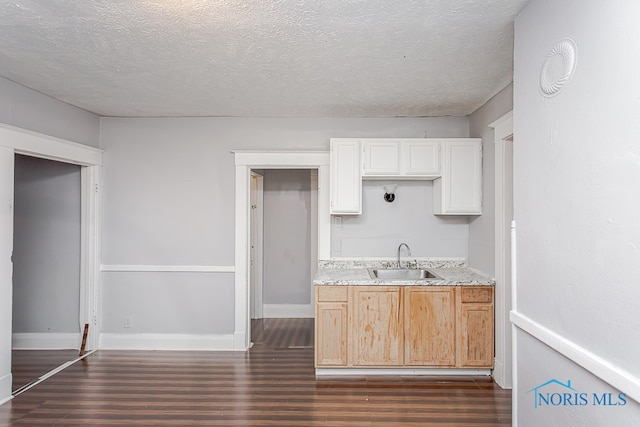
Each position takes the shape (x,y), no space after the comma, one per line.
(22,142)
(245,162)
(46,329)
(283,242)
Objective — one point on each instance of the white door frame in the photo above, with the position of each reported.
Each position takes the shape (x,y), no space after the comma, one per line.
(35,144)
(7,163)
(502,373)
(257,226)
(245,161)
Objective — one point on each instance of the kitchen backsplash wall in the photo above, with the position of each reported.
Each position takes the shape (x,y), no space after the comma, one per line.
(409,219)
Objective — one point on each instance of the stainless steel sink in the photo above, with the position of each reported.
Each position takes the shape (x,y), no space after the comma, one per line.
(402,274)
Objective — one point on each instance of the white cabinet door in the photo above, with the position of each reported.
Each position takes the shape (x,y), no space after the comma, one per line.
(346,178)
(421,158)
(381,158)
(459,191)
(400,158)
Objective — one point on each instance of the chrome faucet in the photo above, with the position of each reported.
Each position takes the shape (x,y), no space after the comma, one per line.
(400,247)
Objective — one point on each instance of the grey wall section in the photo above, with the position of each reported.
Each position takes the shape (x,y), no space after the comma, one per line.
(169,198)
(408,219)
(169,303)
(576,197)
(46,254)
(28,109)
(482,228)
(287,237)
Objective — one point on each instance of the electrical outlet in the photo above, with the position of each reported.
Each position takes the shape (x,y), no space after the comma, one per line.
(128,321)
(337,221)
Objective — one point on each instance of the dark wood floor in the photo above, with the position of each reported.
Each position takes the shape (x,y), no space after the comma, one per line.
(29,365)
(282,333)
(267,385)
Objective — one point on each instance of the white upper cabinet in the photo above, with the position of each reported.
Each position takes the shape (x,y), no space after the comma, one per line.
(455,165)
(410,158)
(421,158)
(346,177)
(380,158)
(459,191)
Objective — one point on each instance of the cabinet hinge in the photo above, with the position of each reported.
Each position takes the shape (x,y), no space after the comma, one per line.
(97,188)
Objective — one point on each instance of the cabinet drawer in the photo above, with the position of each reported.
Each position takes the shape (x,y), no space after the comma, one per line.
(472,294)
(332,293)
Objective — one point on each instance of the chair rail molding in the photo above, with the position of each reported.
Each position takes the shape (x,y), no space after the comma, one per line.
(167,268)
(608,372)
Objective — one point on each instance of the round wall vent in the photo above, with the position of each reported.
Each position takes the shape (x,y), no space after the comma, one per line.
(558,67)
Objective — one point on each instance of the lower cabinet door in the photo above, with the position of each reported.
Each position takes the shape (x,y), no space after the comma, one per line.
(430,326)
(477,335)
(331,334)
(376,326)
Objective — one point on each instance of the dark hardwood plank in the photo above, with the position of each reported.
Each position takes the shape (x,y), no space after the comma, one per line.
(29,365)
(264,386)
(261,387)
(282,333)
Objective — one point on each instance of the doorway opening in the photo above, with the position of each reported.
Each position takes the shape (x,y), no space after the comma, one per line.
(283,254)
(18,141)
(258,163)
(46,267)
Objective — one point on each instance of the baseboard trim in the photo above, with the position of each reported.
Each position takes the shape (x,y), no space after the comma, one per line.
(288,311)
(399,371)
(614,375)
(189,342)
(45,341)
(502,382)
(5,387)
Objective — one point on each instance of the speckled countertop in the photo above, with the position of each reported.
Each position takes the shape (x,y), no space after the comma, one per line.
(452,271)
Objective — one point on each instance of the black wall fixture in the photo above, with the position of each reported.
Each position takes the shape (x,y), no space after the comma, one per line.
(390,193)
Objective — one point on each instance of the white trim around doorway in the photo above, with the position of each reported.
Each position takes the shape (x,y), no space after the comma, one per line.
(35,144)
(257,229)
(245,161)
(502,373)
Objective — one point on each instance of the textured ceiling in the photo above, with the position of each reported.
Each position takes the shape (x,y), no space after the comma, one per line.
(269,58)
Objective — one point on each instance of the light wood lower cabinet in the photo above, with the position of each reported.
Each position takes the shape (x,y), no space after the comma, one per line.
(404,326)
(476,327)
(331,326)
(376,332)
(430,328)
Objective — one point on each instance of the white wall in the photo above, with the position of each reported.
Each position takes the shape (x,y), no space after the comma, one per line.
(169,200)
(28,109)
(287,237)
(482,228)
(576,195)
(408,219)
(46,250)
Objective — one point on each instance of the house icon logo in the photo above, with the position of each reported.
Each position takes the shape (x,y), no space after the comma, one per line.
(554,393)
(560,395)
